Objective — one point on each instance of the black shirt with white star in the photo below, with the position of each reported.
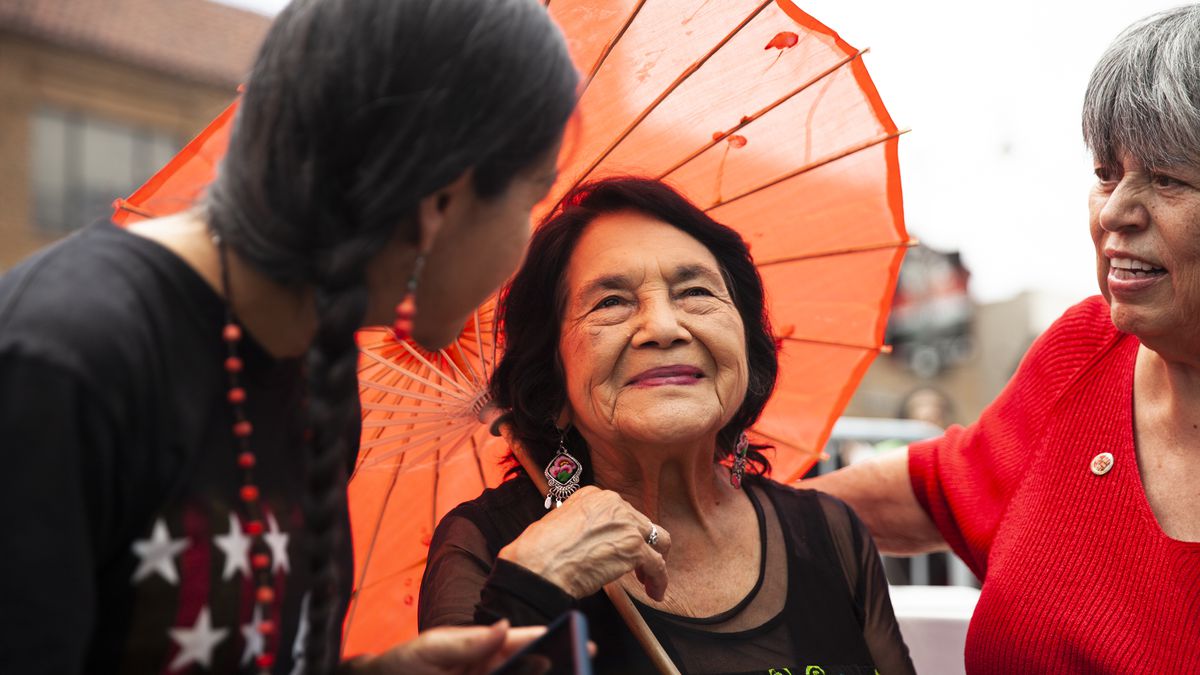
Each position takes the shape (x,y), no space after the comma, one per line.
(120,522)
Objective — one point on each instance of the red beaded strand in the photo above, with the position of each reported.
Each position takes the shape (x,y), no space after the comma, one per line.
(252,511)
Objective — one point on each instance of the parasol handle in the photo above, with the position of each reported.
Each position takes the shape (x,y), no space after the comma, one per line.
(617,595)
(633,618)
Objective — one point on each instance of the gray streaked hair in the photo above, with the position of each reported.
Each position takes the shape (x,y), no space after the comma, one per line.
(1144,95)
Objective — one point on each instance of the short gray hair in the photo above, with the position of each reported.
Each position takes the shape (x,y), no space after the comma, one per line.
(1144,95)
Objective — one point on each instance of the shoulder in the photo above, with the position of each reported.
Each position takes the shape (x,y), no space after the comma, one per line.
(1083,330)
(821,525)
(1086,320)
(87,303)
(1077,339)
(806,503)
(500,513)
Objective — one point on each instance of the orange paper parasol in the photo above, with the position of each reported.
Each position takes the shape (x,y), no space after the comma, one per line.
(754,110)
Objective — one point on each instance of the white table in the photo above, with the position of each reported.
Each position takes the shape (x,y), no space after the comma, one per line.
(934,622)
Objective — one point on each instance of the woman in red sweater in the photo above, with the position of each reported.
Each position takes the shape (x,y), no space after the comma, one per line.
(1074,497)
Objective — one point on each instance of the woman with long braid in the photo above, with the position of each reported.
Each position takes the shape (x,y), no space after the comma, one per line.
(178,401)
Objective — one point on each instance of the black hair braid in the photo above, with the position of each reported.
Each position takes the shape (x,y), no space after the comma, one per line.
(333,410)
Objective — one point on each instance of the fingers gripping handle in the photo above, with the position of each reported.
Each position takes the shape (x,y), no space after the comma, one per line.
(617,595)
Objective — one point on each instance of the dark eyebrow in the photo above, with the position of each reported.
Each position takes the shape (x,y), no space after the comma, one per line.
(607,282)
(685,273)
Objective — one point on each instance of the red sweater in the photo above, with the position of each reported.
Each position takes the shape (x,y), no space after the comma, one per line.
(1078,575)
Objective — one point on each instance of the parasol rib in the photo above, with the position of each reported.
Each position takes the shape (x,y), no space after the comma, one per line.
(882,349)
(434,369)
(479,343)
(389,362)
(745,121)
(411,375)
(411,420)
(471,376)
(403,409)
(608,47)
(383,512)
(478,460)
(412,435)
(412,441)
(832,253)
(809,167)
(691,70)
(404,393)
(362,577)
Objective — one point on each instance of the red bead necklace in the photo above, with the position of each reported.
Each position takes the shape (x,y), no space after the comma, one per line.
(252,512)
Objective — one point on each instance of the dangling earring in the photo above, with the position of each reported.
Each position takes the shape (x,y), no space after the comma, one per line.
(562,475)
(739,461)
(406,311)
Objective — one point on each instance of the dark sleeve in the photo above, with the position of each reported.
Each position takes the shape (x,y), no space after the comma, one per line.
(869,587)
(54,441)
(464,583)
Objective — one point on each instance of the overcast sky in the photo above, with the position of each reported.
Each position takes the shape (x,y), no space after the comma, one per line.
(995,165)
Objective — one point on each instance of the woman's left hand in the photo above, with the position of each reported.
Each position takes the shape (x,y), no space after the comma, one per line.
(594,538)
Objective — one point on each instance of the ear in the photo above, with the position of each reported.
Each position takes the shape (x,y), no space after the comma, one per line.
(563,421)
(440,206)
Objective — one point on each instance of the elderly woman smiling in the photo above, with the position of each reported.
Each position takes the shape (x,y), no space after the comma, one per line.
(1074,497)
(637,354)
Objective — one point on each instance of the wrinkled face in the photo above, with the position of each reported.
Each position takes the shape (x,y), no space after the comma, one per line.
(652,346)
(1145,224)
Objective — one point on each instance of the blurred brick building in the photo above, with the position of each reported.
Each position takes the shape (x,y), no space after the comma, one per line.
(95,95)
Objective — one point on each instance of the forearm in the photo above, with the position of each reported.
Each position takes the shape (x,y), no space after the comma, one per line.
(524,598)
(881,494)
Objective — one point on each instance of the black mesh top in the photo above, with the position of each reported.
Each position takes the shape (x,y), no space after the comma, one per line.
(821,603)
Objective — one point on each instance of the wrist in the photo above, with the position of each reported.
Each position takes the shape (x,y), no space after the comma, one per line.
(534,564)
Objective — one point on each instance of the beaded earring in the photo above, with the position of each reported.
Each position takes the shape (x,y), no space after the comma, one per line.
(562,475)
(738,471)
(406,311)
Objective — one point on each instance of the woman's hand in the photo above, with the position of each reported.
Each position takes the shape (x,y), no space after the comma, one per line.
(595,537)
(458,650)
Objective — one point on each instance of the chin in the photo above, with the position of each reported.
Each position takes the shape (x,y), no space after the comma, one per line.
(434,339)
(1132,319)
(673,428)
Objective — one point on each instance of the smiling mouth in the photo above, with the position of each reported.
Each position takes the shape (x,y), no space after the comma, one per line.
(678,375)
(1128,269)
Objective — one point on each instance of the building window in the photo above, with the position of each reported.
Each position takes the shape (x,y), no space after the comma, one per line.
(80,164)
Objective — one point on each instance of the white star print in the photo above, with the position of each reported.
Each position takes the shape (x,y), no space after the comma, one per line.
(157,554)
(236,547)
(196,644)
(301,637)
(278,541)
(255,642)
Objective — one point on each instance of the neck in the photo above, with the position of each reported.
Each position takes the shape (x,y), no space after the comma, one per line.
(672,485)
(1173,387)
(280,318)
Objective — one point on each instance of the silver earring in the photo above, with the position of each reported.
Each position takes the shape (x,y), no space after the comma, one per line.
(562,475)
(739,461)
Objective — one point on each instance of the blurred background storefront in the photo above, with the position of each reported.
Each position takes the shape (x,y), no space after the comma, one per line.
(97,95)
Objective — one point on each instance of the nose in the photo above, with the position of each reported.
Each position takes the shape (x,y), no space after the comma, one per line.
(1125,209)
(659,326)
